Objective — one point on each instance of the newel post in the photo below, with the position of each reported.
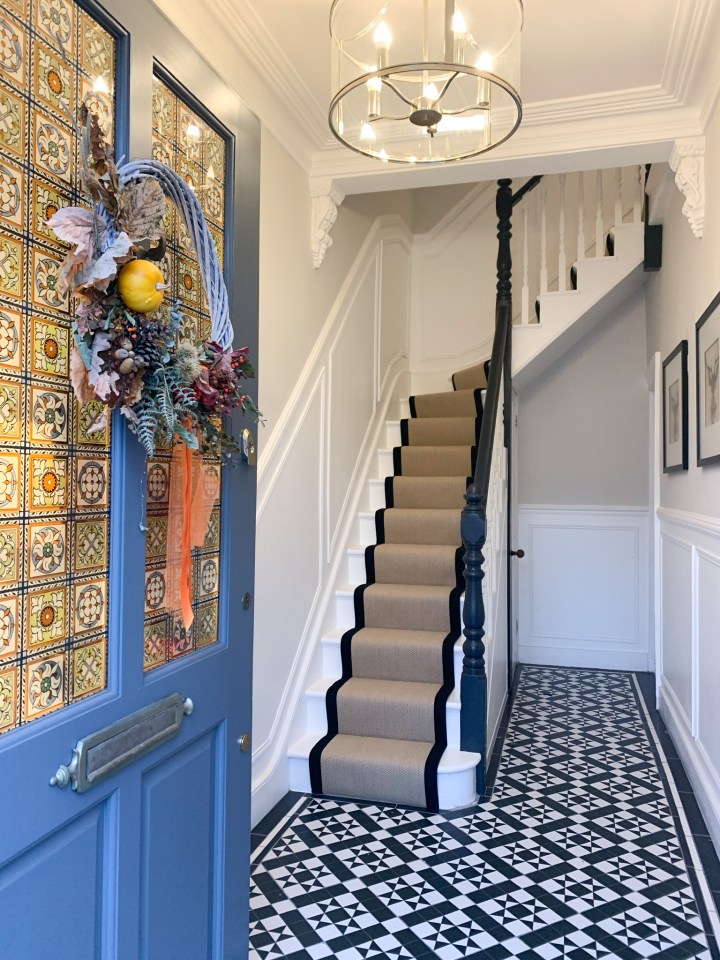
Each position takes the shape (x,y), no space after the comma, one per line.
(473,526)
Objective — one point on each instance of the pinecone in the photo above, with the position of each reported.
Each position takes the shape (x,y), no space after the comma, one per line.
(147,350)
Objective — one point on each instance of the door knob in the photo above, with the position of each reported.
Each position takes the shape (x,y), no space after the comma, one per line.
(517,553)
(244,742)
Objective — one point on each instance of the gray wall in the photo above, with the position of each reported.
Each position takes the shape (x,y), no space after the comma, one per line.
(583,425)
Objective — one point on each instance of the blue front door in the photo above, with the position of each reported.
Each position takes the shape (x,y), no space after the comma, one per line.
(151,861)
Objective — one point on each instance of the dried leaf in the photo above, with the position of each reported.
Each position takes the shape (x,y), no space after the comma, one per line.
(100,176)
(105,385)
(79,378)
(100,343)
(100,272)
(141,207)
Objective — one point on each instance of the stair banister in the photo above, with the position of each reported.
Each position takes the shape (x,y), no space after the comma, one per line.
(473,685)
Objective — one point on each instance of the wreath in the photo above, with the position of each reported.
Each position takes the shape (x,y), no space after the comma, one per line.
(127,352)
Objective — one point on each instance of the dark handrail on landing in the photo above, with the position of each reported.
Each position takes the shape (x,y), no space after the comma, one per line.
(473,684)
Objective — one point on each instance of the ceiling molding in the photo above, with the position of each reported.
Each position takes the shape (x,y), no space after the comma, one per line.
(236,43)
(689,34)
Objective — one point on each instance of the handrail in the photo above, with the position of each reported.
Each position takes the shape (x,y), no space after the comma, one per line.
(473,526)
(526,188)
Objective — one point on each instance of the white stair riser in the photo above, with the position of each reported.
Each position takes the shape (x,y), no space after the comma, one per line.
(392,433)
(366,532)
(405,408)
(385,463)
(356,566)
(455,790)
(375,495)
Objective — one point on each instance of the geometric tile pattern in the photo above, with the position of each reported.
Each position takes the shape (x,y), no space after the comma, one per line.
(54,470)
(575,856)
(194,149)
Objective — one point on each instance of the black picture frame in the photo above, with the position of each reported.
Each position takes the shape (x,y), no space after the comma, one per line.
(707,384)
(675,409)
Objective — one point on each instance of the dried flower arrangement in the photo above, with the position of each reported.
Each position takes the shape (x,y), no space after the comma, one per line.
(126,352)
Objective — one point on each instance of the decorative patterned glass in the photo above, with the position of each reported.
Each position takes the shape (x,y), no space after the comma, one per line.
(54,465)
(186,142)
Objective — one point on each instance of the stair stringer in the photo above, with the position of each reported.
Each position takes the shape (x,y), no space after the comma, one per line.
(603,283)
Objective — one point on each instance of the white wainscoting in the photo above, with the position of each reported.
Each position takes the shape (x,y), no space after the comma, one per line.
(689,597)
(310,479)
(584,586)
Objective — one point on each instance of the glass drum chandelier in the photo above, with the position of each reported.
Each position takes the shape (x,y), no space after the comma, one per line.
(425,81)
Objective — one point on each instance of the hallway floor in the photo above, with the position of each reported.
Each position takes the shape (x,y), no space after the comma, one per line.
(589,846)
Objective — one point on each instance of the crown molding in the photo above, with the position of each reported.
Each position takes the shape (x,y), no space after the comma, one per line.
(560,137)
(689,34)
(235,42)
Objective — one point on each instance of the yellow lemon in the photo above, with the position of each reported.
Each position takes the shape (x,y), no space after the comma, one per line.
(141,286)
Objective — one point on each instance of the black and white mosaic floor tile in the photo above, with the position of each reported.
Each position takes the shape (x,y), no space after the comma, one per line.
(577,855)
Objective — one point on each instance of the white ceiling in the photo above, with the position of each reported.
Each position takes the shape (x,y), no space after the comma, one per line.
(569,50)
(604,84)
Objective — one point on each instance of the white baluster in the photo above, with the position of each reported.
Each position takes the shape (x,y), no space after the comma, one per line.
(618,197)
(581,216)
(599,224)
(526,269)
(543,240)
(639,196)
(562,255)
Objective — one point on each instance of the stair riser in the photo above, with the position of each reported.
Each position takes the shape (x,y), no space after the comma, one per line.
(316,716)
(375,496)
(385,462)
(366,532)
(332,660)
(392,433)
(455,790)
(345,608)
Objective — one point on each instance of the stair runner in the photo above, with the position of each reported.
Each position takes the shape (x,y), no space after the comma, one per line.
(386,714)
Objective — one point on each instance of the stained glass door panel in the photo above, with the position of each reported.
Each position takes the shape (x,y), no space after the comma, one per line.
(54,470)
(196,149)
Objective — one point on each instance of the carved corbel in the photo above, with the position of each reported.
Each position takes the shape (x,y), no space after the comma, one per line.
(326,198)
(687,162)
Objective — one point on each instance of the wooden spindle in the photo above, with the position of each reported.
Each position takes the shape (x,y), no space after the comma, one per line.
(581,216)
(562,253)
(543,240)
(599,222)
(639,192)
(526,269)
(618,197)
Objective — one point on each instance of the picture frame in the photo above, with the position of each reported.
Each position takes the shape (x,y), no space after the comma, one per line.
(707,367)
(675,409)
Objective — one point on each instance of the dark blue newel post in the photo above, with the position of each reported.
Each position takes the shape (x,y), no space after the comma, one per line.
(473,526)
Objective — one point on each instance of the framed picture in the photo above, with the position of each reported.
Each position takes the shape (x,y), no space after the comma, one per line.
(675,409)
(707,342)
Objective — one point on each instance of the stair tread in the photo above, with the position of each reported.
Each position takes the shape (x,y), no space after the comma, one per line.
(452,760)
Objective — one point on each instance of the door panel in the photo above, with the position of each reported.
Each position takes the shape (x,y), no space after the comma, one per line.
(152,861)
(178,797)
(55,881)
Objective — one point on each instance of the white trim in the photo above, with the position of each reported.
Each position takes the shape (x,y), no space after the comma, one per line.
(703,778)
(690,521)
(709,900)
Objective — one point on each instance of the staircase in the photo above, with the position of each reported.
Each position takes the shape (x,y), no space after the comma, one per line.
(384,723)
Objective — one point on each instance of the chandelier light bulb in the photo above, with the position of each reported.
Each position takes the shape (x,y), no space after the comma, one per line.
(458,25)
(367,132)
(374,84)
(382,38)
(485,62)
(430,92)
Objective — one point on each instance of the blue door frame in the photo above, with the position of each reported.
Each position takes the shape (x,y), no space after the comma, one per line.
(153,862)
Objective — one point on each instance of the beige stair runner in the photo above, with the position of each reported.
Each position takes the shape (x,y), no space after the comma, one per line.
(386,715)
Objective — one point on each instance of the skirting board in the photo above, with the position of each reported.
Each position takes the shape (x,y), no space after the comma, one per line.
(601,660)
(700,773)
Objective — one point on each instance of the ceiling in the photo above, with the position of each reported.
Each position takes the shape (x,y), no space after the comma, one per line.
(603,84)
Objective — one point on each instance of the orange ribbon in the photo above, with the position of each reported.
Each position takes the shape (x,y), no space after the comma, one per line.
(194,489)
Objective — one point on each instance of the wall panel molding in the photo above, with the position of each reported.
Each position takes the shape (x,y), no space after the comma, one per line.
(584,586)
